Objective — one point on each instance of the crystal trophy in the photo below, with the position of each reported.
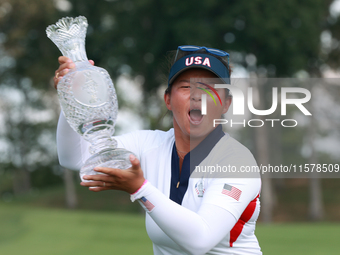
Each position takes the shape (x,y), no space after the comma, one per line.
(88,98)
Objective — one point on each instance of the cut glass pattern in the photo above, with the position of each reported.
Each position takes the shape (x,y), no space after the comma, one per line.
(87,97)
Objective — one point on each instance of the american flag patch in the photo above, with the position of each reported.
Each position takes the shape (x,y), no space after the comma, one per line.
(231,191)
(148,205)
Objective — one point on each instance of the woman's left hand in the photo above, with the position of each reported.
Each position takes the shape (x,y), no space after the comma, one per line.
(129,180)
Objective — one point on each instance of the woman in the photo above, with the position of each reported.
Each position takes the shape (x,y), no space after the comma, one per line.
(187,211)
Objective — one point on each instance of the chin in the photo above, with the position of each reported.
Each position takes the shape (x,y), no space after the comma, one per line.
(199,131)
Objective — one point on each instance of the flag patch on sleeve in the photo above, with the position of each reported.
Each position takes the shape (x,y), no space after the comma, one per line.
(231,191)
(148,205)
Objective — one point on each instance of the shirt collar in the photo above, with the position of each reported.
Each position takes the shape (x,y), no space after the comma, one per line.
(199,153)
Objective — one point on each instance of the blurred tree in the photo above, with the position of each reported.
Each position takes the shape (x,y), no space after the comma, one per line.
(282,35)
(29,123)
(330,38)
(278,38)
(270,38)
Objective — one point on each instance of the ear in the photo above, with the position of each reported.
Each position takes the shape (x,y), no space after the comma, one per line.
(167,101)
(228,101)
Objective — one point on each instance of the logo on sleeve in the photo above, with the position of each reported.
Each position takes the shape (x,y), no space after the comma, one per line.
(199,188)
(231,191)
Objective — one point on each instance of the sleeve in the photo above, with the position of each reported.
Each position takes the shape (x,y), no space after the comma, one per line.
(232,191)
(196,233)
(72,148)
(232,194)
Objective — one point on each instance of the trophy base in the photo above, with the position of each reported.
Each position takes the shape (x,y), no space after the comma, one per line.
(113,158)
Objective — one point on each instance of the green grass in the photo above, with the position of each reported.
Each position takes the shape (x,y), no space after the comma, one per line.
(54,197)
(25,230)
(299,238)
(40,231)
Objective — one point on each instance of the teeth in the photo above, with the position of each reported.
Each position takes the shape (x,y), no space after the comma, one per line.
(194,110)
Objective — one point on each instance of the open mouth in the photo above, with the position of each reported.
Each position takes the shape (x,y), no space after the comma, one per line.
(195,116)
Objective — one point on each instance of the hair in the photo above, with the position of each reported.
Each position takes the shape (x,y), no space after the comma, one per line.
(174,55)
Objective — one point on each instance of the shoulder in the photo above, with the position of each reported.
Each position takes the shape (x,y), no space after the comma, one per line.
(147,138)
(154,136)
(233,146)
(228,159)
(232,150)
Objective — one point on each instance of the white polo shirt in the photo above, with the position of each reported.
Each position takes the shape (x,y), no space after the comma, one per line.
(209,201)
(155,148)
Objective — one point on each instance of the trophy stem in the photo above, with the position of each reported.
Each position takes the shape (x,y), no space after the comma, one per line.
(99,134)
(101,143)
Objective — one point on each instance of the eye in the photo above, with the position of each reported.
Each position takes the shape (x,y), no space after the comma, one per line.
(185,85)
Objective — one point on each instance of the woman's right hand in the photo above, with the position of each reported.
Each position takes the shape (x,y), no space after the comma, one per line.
(65,64)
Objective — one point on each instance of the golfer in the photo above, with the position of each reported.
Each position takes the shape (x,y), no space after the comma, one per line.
(187,211)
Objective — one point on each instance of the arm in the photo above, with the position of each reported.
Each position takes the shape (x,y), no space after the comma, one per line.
(72,148)
(196,233)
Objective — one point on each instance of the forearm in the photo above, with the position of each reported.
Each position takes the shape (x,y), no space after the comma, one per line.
(72,148)
(197,233)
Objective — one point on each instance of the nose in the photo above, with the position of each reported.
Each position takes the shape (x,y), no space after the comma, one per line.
(195,94)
